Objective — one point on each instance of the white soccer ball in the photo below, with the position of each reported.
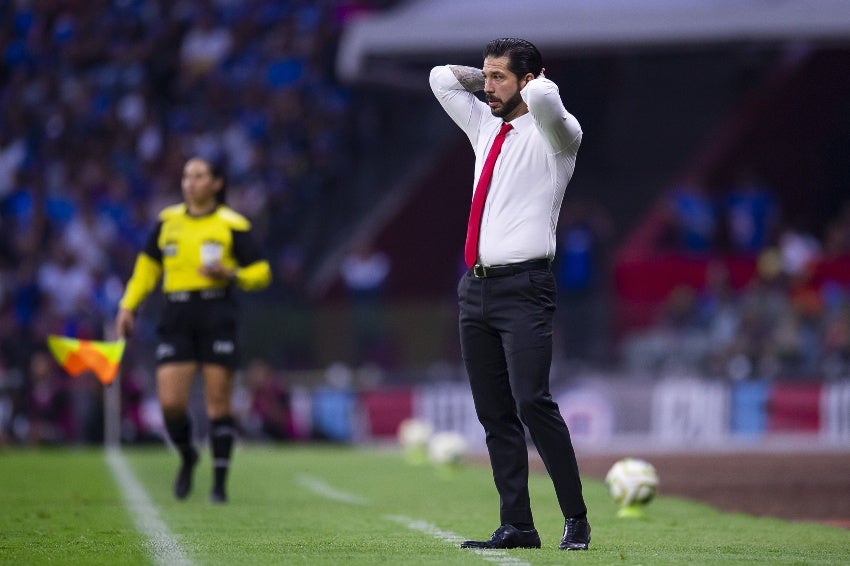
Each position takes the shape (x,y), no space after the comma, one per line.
(447,449)
(414,433)
(632,481)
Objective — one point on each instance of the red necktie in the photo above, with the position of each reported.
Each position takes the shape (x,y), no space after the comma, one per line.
(470,251)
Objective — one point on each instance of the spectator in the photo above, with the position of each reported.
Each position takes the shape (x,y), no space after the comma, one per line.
(585,231)
(718,313)
(798,251)
(88,236)
(48,413)
(752,214)
(64,281)
(694,216)
(205,45)
(271,415)
(365,271)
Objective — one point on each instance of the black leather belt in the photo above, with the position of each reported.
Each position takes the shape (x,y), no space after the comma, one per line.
(198,295)
(482,271)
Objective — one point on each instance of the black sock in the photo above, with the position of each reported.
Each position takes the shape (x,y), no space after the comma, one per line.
(523,526)
(222,432)
(180,432)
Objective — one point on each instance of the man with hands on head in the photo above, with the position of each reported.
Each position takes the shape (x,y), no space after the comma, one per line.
(525,145)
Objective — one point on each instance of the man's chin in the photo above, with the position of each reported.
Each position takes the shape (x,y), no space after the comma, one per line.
(502,110)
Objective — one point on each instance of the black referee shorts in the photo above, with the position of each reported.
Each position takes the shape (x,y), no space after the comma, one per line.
(198,326)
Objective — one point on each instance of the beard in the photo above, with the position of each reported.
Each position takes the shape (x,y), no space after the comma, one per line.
(507,106)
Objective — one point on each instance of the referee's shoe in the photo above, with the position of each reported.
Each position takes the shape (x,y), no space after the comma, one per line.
(183,482)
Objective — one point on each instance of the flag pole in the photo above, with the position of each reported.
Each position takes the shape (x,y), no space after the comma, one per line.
(112,400)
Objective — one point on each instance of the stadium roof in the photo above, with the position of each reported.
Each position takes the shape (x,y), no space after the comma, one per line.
(376,44)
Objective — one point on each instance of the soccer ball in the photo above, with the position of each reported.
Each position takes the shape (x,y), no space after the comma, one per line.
(414,436)
(632,483)
(414,432)
(446,449)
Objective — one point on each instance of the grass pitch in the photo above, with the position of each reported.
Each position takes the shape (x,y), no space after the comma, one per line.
(336,505)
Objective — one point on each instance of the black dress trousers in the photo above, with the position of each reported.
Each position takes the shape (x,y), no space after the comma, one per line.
(506,342)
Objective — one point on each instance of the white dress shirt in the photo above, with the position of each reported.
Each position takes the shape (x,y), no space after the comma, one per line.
(531,174)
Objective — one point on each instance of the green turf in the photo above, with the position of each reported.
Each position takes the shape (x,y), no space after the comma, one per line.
(63,507)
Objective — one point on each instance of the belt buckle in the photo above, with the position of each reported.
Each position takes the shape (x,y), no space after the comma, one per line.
(479,271)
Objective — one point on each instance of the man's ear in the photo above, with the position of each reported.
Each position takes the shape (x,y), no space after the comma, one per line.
(526,78)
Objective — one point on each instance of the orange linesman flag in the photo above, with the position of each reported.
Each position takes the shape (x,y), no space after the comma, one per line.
(77,356)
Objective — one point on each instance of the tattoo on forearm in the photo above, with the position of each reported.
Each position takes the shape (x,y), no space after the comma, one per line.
(471,78)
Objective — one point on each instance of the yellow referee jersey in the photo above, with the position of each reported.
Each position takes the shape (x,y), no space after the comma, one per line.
(180,244)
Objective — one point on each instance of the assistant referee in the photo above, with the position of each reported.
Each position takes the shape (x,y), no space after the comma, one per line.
(202,250)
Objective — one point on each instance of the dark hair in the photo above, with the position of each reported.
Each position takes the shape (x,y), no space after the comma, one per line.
(218,170)
(523,56)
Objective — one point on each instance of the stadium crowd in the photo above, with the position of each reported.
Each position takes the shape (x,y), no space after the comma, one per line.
(790,320)
(100,104)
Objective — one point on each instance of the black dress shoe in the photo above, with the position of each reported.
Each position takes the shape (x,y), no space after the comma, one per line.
(183,482)
(507,536)
(576,534)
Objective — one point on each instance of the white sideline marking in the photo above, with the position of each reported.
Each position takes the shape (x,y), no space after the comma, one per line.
(325,490)
(427,528)
(494,555)
(161,543)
